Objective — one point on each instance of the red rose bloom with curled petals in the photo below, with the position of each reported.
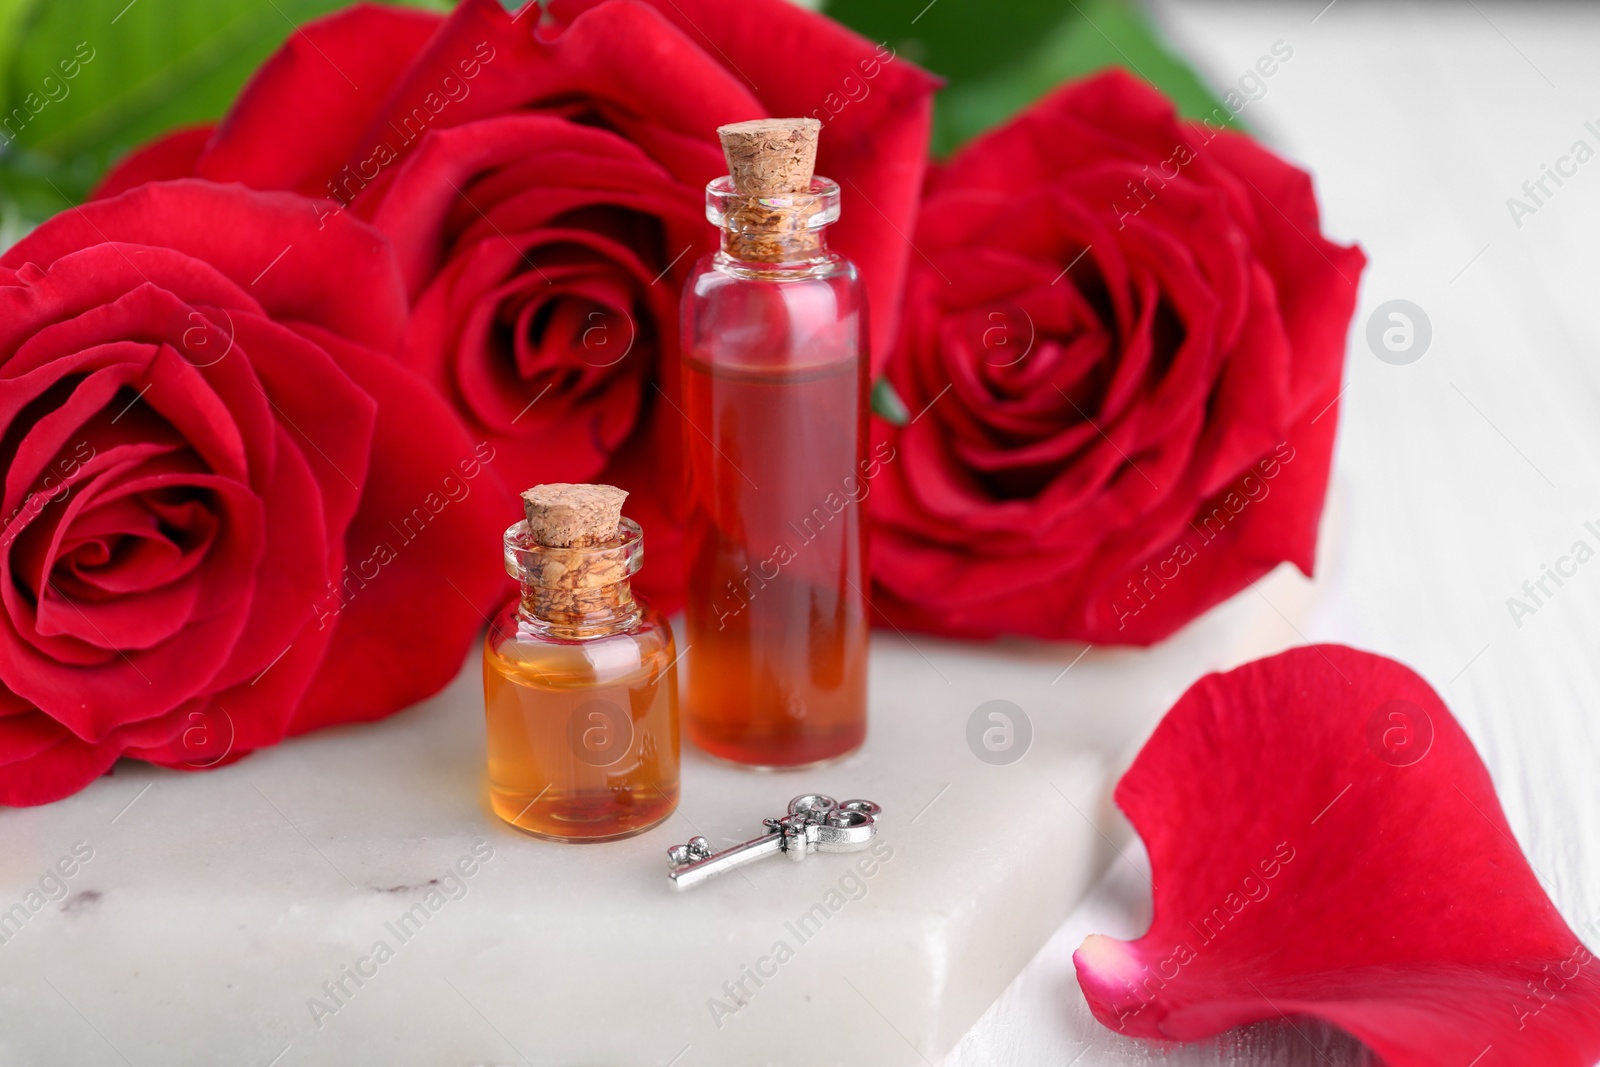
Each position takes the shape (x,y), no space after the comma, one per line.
(542,177)
(1121,352)
(211,463)
(1325,841)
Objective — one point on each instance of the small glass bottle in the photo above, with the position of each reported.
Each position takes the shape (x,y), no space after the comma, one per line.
(579,679)
(775,402)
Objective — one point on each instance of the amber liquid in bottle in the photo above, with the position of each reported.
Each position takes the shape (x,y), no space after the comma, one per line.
(581,710)
(775,402)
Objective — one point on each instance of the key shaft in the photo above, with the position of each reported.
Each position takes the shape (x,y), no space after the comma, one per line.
(692,874)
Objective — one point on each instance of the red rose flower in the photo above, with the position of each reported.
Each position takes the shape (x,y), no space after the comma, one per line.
(228,514)
(1325,841)
(1122,348)
(542,177)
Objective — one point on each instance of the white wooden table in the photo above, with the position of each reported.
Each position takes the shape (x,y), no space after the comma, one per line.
(1457,477)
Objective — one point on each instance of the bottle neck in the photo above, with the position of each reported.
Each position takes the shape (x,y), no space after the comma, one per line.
(576,592)
(790,248)
(773,232)
(562,611)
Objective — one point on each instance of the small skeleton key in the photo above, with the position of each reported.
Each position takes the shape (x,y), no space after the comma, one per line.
(815,823)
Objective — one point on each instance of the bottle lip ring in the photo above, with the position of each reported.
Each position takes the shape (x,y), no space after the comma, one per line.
(806,211)
(526,559)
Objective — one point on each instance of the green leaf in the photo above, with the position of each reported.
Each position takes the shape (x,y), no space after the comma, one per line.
(960,39)
(887,405)
(1002,57)
(13,14)
(82,82)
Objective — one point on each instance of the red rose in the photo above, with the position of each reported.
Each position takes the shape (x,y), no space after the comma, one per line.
(217,516)
(542,177)
(1122,348)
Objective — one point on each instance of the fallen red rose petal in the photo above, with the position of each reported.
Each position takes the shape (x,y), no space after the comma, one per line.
(1325,841)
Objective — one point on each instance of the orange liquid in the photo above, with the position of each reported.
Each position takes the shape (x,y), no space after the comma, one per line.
(582,735)
(776,614)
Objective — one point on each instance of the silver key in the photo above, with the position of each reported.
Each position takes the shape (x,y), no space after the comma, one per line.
(815,823)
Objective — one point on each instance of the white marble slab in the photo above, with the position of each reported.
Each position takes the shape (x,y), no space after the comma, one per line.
(215,906)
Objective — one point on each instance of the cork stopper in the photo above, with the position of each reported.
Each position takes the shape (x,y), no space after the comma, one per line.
(770,157)
(568,515)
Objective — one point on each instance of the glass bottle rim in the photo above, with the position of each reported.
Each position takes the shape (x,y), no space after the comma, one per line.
(814,210)
(526,559)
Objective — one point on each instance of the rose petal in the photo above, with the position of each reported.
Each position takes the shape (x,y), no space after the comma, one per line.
(300,265)
(172,155)
(332,73)
(42,761)
(424,558)
(1325,841)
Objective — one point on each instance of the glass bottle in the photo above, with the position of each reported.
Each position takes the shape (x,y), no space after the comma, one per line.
(775,403)
(580,685)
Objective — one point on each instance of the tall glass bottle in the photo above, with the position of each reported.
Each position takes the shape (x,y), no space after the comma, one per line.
(775,403)
(579,684)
